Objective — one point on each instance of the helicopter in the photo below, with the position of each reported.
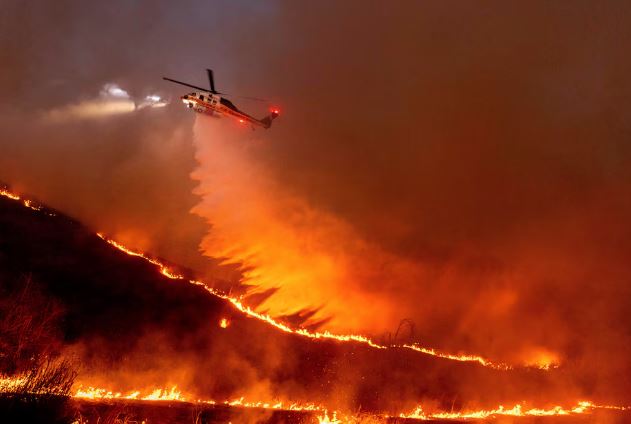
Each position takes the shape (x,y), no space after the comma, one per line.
(211,102)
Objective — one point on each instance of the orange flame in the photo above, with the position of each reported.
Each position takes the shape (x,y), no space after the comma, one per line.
(542,359)
(324,418)
(174,395)
(10,384)
(335,417)
(156,394)
(582,407)
(462,357)
(26,202)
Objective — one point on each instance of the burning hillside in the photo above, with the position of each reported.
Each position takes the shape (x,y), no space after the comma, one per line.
(141,329)
(437,228)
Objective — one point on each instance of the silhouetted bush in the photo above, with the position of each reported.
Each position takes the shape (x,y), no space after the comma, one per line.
(47,378)
(29,331)
(35,383)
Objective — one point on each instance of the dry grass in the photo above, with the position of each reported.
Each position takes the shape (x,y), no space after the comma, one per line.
(48,378)
(35,383)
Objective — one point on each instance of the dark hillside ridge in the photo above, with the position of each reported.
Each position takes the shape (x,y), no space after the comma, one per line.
(103,290)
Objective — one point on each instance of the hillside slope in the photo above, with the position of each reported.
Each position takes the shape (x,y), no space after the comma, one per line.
(133,328)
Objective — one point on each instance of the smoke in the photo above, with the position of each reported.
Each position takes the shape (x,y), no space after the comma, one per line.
(466,167)
(309,258)
(83,123)
(112,100)
(457,168)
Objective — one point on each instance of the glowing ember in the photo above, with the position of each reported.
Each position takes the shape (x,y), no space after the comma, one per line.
(224,323)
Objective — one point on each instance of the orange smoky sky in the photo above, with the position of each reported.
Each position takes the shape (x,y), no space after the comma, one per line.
(462,165)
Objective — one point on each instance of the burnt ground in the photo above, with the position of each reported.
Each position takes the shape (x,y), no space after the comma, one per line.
(135,328)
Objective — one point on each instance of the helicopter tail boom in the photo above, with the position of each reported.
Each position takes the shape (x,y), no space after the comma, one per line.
(267,121)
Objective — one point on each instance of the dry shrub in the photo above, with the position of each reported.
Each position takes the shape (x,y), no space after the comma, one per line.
(30,341)
(29,331)
(50,377)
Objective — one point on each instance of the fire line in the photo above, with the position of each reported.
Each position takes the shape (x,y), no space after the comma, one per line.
(11,384)
(238,304)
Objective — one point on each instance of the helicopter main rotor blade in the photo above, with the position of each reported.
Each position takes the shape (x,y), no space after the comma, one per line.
(256,99)
(184,83)
(212,90)
(211,80)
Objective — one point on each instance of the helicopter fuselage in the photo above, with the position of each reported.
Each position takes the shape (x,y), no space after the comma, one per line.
(213,104)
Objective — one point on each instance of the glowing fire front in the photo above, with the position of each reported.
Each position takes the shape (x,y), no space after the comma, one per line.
(175,395)
(26,202)
(583,407)
(157,394)
(324,416)
(237,303)
(11,384)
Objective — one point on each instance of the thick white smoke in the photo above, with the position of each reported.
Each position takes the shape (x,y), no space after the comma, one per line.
(112,100)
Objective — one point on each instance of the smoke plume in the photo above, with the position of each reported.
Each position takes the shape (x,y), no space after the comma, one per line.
(463,166)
